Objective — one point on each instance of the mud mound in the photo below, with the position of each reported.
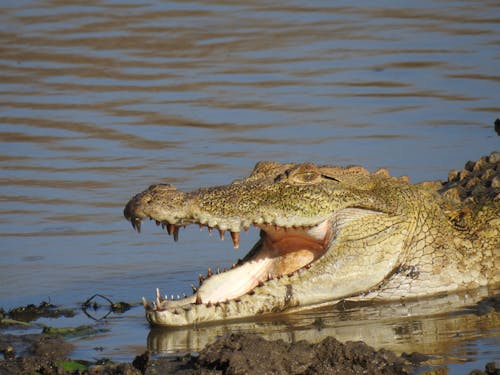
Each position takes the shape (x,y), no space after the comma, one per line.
(251,354)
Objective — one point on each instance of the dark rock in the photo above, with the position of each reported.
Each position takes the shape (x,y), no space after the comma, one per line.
(141,362)
(469,166)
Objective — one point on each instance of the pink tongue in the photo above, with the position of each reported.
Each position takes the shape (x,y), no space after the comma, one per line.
(236,282)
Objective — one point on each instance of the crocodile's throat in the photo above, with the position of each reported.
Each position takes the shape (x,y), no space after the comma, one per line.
(281,251)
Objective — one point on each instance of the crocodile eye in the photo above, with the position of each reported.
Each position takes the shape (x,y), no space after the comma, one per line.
(305,174)
(309,177)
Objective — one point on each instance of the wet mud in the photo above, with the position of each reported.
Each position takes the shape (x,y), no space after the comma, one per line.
(49,352)
(233,354)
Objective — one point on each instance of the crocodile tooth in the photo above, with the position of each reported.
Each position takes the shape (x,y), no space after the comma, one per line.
(210,230)
(209,304)
(235,236)
(170,228)
(146,304)
(136,224)
(198,299)
(221,234)
(159,297)
(176,233)
(194,289)
(157,222)
(200,278)
(209,272)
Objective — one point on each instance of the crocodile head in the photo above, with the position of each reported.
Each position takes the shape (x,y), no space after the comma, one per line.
(326,233)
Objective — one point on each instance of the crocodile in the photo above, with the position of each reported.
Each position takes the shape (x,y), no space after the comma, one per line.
(331,233)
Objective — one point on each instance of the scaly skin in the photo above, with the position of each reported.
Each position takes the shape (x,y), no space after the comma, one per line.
(332,233)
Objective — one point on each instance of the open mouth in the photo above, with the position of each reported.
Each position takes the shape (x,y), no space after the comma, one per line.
(280,251)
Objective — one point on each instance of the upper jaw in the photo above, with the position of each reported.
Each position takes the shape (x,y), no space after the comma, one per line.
(176,209)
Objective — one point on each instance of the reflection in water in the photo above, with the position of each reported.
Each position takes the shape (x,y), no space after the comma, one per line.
(99,99)
(435,327)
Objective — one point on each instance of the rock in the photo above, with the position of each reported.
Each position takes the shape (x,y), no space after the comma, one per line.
(494,157)
(469,166)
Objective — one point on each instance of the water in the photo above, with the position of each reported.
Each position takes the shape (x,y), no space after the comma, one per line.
(100,99)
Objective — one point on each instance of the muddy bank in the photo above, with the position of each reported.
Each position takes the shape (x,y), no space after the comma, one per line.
(49,352)
(234,354)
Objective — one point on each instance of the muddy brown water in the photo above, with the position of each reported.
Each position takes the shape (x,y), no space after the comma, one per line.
(99,99)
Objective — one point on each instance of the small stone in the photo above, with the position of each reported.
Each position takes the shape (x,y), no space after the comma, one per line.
(141,361)
(469,166)
(494,157)
(479,165)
